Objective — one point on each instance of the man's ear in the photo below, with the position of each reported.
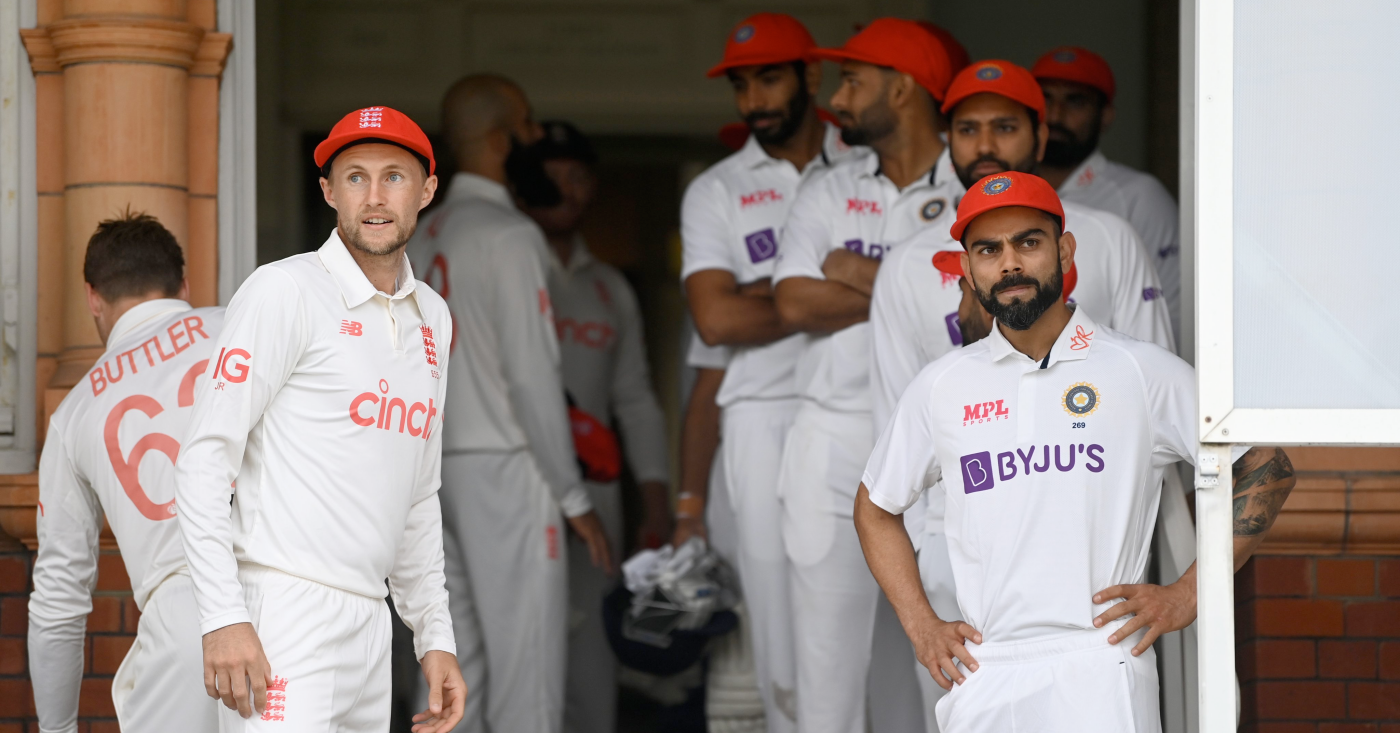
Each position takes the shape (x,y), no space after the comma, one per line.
(1106,117)
(184,292)
(326,192)
(814,78)
(1067,249)
(1042,136)
(95,302)
(429,190)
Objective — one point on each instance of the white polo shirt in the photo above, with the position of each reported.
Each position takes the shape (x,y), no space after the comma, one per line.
(324,403)
(1052,492)
(914,310)
(856,207)
(489,261)
(603,356)
(110,453)
(731,219)
(1146,204)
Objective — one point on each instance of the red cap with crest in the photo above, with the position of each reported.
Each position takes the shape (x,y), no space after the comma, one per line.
(376,124)
(1001,190)
(902,45)
(765,38)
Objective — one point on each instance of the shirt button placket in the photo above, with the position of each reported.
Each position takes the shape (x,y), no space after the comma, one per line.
(1026,400)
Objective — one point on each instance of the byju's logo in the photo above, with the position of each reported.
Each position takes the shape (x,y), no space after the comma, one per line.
(977,472)
(762,245)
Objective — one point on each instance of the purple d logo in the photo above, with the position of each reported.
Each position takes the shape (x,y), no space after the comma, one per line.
(977,472)
(762,245)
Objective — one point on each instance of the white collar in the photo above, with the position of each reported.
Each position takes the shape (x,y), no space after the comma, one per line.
(354,286)
(470,185)
(1087,171)
(940,169)
(142,313)
(578,260)
(1074,342)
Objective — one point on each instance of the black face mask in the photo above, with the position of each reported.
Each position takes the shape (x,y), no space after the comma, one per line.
(525,171)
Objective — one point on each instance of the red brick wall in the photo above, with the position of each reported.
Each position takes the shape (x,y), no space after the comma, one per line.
(1318,644)
(111,628)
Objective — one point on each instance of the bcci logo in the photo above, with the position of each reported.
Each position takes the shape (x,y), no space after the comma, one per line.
(990,72)
(932,209)
(1000,184)
(1066,56)
(743,34)
(1081,399)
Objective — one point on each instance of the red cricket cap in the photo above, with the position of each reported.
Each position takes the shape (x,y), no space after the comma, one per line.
(376,123)
(957,54)
(1001,190)
(996,77)
(765,38)
(1071,63)
(902,45)
(951,263)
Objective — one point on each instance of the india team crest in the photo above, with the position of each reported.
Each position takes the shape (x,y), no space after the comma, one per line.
(1066,56)
(743,34)
(989,72)
(933,208)
(1081,399)
(1000,184)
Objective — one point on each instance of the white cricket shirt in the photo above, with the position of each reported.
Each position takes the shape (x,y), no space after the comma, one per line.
(489,261)
(110,452)
(700,355)
(1146,204)
(1051,469)
(604,358)
(324,402)
(731,219)
(856,207)
(914,309)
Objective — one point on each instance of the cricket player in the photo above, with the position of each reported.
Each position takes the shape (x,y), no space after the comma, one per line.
(1050,504)
(731,220)
(1079,91)
(132,404)
(893,75)
(604,363)
(510,476)
(309,474)
(996,120)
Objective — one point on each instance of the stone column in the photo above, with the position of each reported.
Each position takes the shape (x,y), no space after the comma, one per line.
(135,77)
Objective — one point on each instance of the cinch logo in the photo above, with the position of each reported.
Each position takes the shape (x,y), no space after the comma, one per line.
(180,336)
(593,334)
(874,251)
(985,412)
(759,197)
(861,206)
(980,472)
(387,405)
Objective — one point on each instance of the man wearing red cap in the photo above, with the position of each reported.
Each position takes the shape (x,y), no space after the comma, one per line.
(1079,91)
(1050,500)
(731,219)
(510,477)
(996,110)
(892,75)
(310,471)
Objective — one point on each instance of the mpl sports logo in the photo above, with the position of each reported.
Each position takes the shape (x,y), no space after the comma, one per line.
(387,405)
(862,206)
(757,198)
(985,411)
(980,472)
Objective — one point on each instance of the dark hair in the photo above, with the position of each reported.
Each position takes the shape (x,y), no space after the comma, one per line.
(131,256)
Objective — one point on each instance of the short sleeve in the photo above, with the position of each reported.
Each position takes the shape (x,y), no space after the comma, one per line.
(700,355)
(905,463)
(803,245)
(704,226)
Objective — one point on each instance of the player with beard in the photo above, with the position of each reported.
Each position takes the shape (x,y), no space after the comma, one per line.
(995,111)
(731,219)
(332,496)
(1079,91)
(893,74)
(510,478)
(1051,500)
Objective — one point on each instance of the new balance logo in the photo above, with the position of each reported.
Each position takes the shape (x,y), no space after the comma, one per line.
(352,328)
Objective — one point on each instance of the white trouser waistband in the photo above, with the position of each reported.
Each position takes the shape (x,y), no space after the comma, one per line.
(1028,651)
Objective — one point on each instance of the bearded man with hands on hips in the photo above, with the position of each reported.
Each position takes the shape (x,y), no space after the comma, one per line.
(310,472)
(1050,506)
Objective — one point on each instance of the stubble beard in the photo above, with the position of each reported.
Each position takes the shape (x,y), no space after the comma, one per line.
(354,238)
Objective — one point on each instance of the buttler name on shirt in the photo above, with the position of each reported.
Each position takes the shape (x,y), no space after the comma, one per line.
(181,335)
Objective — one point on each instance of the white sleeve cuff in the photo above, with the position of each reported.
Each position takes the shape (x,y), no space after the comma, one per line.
(227,618)
(880,500)
(576,502)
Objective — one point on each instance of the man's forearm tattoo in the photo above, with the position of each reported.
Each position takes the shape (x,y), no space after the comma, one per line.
(1263,479)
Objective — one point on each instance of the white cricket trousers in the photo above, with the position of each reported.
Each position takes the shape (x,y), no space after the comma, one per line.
(590,691)
(329,653)
(160,684)
(508,587)
(752,436)
(1076,683)
(834,596)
